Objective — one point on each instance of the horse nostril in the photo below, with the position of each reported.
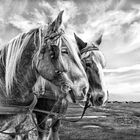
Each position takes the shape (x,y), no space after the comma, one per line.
(100,99)
(71,92)
(84,91)
(65,70)
(65,88)
(58,72)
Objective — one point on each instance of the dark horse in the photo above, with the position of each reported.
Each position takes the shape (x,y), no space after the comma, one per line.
(25,58)
(93,62)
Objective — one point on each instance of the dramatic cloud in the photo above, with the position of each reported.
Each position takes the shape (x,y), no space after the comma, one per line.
(124,82)
(123,69)
(117,20)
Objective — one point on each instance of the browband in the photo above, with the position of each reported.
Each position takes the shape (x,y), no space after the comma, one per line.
(89,48)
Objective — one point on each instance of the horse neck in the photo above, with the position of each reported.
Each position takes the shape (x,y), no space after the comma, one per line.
(2,73)
(25,74)
(2,63)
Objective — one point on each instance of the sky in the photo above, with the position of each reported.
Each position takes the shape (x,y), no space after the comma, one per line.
(117,20)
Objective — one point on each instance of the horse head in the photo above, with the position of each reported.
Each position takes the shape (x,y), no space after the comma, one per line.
(94,62)
(57,61)
(76,71)
(48,60)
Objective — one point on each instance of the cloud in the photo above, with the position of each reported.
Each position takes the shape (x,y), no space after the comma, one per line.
(118,20)
(123,83)
(88,19)
(22,23)
(124,92)
(123,69)
(124,88)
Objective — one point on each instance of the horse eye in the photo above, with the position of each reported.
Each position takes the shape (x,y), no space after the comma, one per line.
(97,71)
(64,51)
(88,64)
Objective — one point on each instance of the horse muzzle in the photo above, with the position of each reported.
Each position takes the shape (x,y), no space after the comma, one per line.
(99,99)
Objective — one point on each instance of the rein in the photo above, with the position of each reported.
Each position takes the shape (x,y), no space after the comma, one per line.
(30,109)
(59,116)
(49,113)
(14,109)
(87,105)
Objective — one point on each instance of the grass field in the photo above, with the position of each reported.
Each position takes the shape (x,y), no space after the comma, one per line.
(116,121)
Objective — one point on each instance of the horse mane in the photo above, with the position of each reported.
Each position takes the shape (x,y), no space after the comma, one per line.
(74,51)
(2,89)
(99,57)
(14,50)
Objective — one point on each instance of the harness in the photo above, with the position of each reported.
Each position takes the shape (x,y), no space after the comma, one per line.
(14,109)
(61,116)
(30,108)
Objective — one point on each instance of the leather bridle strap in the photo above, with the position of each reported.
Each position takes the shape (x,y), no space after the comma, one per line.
(62,116)
(14,109)
(89,48)
(58,117)
(87,105)
(36,125)
(48,115)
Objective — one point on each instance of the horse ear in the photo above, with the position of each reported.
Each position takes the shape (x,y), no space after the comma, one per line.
(54,26)
(99,40)
(81,44)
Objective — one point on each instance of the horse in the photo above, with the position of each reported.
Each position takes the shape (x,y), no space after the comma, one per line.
(74,71)
(93,62)
(22,61)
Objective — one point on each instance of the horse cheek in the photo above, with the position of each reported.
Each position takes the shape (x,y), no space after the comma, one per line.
(46,69)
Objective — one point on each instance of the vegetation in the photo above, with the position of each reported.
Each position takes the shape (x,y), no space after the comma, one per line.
(115,121)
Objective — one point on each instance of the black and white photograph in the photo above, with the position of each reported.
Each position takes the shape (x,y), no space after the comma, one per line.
(69,69)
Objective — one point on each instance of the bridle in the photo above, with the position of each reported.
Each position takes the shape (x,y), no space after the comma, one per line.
(44,42)
(89,48)
(47,41)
